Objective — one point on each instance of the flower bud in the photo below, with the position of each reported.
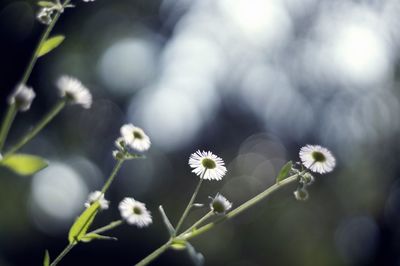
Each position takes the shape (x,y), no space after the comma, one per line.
(22,97)
(301,194)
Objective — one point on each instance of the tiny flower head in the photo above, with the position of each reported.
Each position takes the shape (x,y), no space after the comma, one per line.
(318,159)
(135,137)
(134,212)
(44,15)
(74,91)
(97,195)
(207,165)
(301,194)
(220,205)
(22,97)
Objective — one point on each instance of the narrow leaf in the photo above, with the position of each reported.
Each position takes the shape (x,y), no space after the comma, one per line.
(50,44)
(89,237)
(170,228)
(45,4)
(46,260)
(196,257)
(79,228)
(24,164)
(284,172)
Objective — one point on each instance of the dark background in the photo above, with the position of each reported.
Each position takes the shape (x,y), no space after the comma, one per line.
(252,81)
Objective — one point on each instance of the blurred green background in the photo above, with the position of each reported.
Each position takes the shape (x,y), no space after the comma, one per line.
(253,81)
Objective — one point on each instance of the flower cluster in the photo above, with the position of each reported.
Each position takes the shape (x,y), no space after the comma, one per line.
(316,159)
(132,138)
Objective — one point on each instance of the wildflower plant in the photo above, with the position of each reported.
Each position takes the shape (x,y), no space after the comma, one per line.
(131,144)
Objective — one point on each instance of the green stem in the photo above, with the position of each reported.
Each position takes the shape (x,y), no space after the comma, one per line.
(244,206)
(62,254)
(112,176)
(110,226)
(43,38)
(8,119)
(155,254)
(42,123)
(199,222)
(190,204)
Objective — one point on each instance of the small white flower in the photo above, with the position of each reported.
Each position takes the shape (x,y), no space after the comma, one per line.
(207,165)
(45,15)
(318,159)
(74,91)
(220,205)
(134,212)
(23,97)
(135,137)
(97,195)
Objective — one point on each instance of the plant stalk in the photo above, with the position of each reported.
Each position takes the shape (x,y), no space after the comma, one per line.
(190,204)
(244,206)
(66,250)
(42,123)
(7,122)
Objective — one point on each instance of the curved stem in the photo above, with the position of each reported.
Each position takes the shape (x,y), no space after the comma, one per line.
(154,254)
(244,206)
(190,204)
(42,123)
(62,254)
(110,226)
(112,176)
(8,119)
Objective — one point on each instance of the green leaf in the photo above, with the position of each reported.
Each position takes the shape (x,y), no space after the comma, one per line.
(91,236)
(45,4)
(170,228)
(178,244)
(284,172)
(79,228)
(46,260)
(24,164)
(50,44)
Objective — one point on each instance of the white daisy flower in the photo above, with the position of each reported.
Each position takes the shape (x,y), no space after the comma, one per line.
(23,97)
(207,165)
(318,159)
(97,195)
(74,91)
(220,205)
(134,212)
(135,137)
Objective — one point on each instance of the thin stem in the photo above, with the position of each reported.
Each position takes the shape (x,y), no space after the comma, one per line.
(154,254)
(8,119)
(42,123)
(190,204)
(43,38)
(244,206)
(112,176)
(110,226)
(199,222)
(62,254)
